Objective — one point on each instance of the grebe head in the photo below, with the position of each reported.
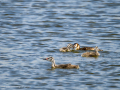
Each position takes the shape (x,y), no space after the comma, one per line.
(76,46)
(70,46)
(96,48)
(51,59)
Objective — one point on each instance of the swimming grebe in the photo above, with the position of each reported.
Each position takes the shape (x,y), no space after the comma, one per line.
(62,66)
(91,54)
(67,49)
(77,47)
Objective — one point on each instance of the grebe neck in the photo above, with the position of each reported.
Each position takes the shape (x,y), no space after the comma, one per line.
(97,53)
(53,64)
(78,47)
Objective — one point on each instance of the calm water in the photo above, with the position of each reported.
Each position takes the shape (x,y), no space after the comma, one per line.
(31,30)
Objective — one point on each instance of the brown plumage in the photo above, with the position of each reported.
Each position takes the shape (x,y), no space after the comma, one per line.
(66,49)
(62,66)
(66,66)
(77,47)
(91,54)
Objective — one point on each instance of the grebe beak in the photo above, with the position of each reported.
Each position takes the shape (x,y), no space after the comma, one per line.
(45,59)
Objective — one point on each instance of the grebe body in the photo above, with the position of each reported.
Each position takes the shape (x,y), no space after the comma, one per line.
(91,54)
(62,66)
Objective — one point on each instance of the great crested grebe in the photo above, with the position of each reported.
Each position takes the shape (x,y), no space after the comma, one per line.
(67,49)
(91,54)
(62,66)
(77,47)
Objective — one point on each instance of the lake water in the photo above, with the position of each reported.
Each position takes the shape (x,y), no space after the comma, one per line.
(31,30)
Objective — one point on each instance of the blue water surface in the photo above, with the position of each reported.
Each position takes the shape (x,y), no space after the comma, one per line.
(31,30)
